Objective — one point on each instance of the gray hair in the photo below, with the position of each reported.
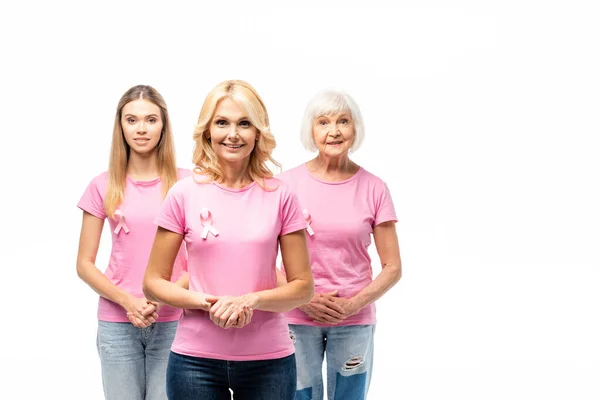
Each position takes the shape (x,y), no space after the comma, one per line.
(330,102)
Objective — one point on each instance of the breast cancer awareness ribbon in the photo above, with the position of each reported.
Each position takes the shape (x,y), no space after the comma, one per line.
(121,222)
(308,220)
(206,219)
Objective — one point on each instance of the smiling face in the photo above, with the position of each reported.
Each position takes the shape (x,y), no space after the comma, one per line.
(232,134)
(142,125)
(334,134)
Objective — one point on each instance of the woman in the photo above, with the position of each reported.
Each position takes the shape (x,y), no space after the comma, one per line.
(343,205)
(134,334)
(232,214)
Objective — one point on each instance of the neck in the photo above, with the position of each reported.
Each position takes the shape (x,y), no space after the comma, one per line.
(340,167)
(143,166)
(236,176)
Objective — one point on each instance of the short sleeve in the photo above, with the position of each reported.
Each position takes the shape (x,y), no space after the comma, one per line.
(172,215)
(291,214)
(384,206)
(92,201)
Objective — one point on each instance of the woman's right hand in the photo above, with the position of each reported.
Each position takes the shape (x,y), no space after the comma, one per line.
(140,312)
(323,309)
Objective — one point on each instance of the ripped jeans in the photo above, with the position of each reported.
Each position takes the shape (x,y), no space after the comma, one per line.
(349,352)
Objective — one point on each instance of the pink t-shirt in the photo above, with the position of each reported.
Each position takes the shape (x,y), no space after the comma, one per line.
(132,234)
(232,240)
(341,216)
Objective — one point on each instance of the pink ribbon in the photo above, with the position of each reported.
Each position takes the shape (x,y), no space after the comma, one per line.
(121,225)
(206,219)
(308,220)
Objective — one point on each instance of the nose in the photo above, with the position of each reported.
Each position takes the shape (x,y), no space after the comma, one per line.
(335,132)
(232,134)
(141,129)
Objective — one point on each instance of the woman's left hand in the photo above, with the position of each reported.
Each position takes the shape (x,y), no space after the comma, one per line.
(233,311)
(349,306)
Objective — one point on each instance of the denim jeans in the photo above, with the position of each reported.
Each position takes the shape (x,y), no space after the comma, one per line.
(134,360)
(210,379)
(349,352)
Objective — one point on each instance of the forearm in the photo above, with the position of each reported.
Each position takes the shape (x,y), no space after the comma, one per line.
(387,278)
(90,274)
(286,297)
(174,294)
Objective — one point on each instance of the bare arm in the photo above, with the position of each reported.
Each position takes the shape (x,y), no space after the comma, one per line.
(297,286)
(386,242)
(157,285)
(297,289)
(89,241)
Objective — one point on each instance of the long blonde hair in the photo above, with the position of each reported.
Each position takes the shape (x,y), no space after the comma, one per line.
(119,151)
(245,96)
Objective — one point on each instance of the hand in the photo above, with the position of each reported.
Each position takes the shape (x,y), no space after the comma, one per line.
(324,309)
(204,301)
(349,306)
(232,311)
(140,312)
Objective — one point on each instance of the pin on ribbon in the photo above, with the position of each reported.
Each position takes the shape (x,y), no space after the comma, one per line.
(206,219)
(121,222)
(308,220)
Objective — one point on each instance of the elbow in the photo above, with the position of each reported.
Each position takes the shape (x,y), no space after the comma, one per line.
(81,268)
(147,290)
(308,292)
(397,274)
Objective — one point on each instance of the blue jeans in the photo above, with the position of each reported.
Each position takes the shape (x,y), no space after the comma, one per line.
(349,351)
(210,379)
(134,360)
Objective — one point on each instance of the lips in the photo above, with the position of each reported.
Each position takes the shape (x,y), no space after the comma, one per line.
(334,143)
(232,146)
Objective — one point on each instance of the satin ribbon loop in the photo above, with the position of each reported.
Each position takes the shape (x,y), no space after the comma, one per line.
(120,218)
(308,220)
(206,219)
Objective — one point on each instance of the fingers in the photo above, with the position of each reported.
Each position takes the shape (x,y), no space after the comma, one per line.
(333,293)
(149,309)
(325,310)
(140,322)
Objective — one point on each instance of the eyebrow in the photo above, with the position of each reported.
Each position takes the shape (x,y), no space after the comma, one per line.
(241,119)
(147,116)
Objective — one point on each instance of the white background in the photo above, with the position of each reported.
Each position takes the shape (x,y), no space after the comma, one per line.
(481,116)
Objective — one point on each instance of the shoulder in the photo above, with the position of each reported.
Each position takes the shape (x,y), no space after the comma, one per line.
(370,178)
(183,173)
(100,181)
(290,174)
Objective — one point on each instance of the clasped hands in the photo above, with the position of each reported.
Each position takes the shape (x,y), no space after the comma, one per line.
(328,308)
(230,311)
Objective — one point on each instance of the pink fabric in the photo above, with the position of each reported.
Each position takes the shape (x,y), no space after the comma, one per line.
(132,232)
(341,217)
(232,240)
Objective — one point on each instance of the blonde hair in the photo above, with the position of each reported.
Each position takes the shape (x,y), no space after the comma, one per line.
(245,96)
(119,151)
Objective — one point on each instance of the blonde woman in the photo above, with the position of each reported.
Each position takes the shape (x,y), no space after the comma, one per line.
(134,334)
(344,206)
(232,214)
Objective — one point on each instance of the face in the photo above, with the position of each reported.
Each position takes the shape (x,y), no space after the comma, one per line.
(232,134)
(334,133)
(142,125)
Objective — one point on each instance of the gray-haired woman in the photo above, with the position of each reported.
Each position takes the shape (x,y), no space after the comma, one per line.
(343,205)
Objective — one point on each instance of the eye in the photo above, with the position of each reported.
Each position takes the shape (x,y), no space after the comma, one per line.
(245,124)
(131,120)
(322,122)
(344,121)
(152,120)
(220,122)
